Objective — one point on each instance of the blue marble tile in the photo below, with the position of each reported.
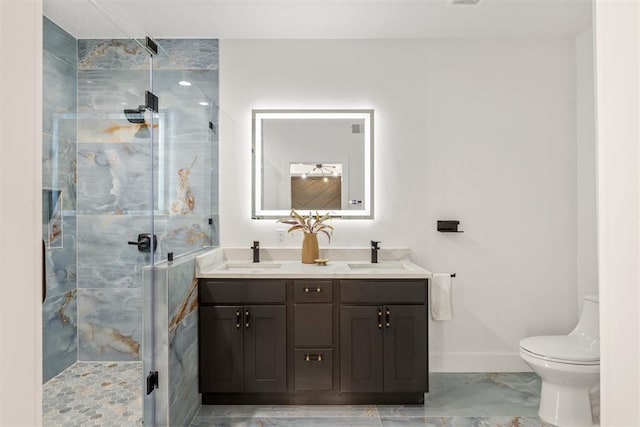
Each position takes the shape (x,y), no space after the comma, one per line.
(156,343)
(59,97)
(59,43)
(182,290)
(182,235)
(109,324)
(114,178)
(464,422)
(284,411)
(111,54)
(481,394)
(215,179)
(105,260)
(184,180)
(59,170)
(59,333)
(189,54)
(60,264)
(215,228)
(111,91)
(184,397)
(286,422)
(103,95)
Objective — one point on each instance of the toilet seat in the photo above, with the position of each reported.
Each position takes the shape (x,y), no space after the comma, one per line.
(560,349)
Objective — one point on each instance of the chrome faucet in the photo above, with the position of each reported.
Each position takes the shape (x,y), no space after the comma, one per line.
(375,246)
(256,251)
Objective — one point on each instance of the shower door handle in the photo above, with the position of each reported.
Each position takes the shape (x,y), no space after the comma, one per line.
(144,242)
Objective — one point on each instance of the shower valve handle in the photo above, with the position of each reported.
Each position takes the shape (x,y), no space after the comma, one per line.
(144,242)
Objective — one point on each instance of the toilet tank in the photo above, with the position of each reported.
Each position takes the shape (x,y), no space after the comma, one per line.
(588,328)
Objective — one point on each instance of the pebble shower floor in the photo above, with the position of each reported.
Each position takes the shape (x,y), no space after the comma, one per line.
(94,393)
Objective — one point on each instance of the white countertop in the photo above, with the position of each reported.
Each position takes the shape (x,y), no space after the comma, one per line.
(344,263)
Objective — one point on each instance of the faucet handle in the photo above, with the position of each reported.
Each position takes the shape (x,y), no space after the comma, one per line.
(256,244)
(375,244)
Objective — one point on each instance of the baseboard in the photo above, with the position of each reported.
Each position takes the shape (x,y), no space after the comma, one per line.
(477,362)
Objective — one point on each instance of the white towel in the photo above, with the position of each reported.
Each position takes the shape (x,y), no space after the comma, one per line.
(441,296)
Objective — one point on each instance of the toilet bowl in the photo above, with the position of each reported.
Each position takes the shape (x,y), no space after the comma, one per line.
(569,366)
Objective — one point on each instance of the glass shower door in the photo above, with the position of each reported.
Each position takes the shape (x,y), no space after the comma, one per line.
(98,225)
(184,146)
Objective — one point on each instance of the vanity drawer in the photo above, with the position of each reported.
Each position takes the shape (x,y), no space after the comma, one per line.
(313,325)
(230,292)
(387,291)
(313,369)
(312,290)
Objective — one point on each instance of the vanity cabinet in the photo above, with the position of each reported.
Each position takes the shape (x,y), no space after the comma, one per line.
(313,337)
(242,348)
(313,341)
(383,346)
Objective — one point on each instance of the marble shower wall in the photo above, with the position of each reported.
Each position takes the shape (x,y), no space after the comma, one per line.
(115,160)
(59,174)
(175,337)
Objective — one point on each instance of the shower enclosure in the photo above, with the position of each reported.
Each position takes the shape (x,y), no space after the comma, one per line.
(129,181)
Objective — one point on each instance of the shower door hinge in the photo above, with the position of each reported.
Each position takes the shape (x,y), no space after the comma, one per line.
(152,381)
(152,47)
(150,101)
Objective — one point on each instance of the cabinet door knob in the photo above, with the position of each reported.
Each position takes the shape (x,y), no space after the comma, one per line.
(388,318)
(238,319)
(379,319)
(318,289)
(306,290)
(246,319)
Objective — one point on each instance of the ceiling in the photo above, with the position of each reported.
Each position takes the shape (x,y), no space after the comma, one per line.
(321,19)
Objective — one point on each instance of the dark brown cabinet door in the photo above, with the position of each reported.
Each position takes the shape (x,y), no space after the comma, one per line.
(405,348)
(360,349)
(265,359)
(221,342)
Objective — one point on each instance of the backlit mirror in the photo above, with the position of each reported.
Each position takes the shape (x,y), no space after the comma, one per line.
(313,160)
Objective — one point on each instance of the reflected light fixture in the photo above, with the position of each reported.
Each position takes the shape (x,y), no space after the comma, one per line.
(324,170)
(203,103)
(184,83)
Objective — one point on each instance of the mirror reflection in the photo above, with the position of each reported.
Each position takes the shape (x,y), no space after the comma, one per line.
(312,160)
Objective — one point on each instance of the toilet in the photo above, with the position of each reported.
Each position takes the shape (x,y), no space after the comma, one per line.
(569,366)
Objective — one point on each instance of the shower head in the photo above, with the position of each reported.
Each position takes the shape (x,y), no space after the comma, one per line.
(135,116)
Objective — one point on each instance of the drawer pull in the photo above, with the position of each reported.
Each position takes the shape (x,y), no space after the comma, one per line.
(388,318)
(307,290)
(313,357)
(238,319)
(379,319)
(246,319)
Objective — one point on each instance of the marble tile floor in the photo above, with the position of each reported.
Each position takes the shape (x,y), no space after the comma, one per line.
(454,400)
(110,394)
(94,393)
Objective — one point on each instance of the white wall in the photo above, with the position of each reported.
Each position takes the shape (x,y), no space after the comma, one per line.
(587,255)
(20,207)
(617,30)
(479,131)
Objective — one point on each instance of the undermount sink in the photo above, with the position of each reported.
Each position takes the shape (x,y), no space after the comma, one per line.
(381,265)
(248,266)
